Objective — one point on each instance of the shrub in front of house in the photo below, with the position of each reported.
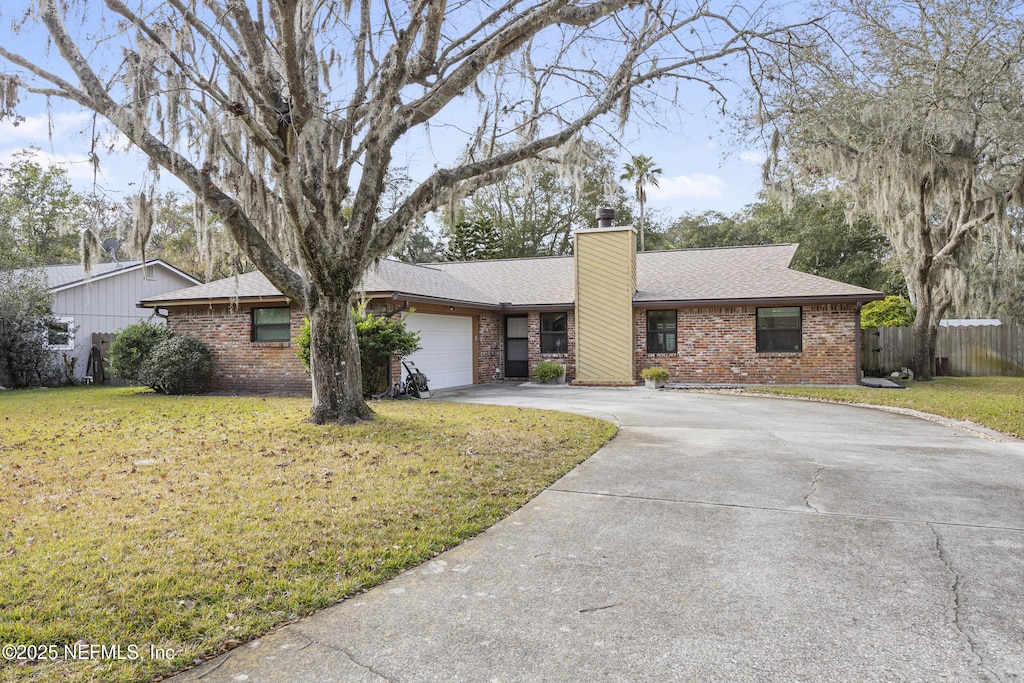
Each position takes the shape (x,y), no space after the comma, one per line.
(380,338)
(177,365)
(132,346)
(548,372)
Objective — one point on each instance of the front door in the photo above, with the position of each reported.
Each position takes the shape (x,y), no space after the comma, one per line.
(517,347)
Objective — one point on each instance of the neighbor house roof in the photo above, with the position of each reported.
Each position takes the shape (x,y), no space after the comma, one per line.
(732,275)
(61,277)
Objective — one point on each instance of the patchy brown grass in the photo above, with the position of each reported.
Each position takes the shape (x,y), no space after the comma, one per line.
(190,524)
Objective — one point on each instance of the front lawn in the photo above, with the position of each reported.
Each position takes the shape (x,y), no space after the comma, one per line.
(142,532)
(993,402)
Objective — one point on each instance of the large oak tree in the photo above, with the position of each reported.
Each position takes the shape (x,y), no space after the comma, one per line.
(914,108)
(285,117)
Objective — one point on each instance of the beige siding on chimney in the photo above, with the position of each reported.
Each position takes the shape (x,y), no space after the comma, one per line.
(605,285)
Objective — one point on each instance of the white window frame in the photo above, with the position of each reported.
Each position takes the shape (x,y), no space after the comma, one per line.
(70,344)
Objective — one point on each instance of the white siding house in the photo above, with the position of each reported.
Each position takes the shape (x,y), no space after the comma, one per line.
(105,302)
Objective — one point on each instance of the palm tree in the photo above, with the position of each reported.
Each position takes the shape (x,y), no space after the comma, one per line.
(642,171)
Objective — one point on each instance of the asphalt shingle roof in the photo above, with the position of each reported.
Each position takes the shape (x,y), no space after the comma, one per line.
(731,274)
(64,276)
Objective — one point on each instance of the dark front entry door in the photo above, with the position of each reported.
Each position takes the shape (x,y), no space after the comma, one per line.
(517,347)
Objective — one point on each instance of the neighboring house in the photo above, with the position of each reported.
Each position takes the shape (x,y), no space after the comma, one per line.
(104,303)
(725,316)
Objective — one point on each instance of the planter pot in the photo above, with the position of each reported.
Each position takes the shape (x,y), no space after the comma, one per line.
(655,383)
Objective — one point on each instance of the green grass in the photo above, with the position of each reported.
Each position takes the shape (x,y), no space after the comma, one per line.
(192,524)
(993,402)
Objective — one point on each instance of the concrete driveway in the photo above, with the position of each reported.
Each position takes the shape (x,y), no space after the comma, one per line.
(716,538)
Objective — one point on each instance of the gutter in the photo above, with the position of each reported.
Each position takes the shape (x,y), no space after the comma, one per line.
(158,303)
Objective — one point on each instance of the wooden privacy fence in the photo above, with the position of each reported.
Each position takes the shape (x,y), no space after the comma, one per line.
(981,351)
(99,358)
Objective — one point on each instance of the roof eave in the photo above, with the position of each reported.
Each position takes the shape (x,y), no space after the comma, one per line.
(441,301)
(158,303)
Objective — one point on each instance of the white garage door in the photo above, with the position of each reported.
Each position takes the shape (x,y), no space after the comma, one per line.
(446,353)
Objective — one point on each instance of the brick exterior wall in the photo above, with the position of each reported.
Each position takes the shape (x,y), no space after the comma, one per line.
(490,347)
(567,359)
(717,345)
(240,364)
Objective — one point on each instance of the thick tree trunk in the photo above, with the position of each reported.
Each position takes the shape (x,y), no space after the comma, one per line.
(924,339)
(334,364)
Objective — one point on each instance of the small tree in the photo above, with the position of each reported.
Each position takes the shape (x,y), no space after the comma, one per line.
(132,346)
(382,339)
(642,171)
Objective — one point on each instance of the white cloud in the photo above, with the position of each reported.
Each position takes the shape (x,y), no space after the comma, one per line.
(696,186)
(753,157)
(36,129)
(63,139)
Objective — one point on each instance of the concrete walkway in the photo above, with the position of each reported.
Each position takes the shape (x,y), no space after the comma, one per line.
(716,538)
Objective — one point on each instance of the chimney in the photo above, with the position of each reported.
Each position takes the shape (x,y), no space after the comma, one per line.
(605,217)
(605,270)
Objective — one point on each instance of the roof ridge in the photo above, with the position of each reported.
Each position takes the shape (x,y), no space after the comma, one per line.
(724,248)
(497,260)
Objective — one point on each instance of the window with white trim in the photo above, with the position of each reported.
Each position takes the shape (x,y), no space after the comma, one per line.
(60,334)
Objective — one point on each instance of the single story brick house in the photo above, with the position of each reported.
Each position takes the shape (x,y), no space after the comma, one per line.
(737,315)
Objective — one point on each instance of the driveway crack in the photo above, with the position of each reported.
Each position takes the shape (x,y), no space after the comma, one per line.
(957,617)
(348,654)
(813,489)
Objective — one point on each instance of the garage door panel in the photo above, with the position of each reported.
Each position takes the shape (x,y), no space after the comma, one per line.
(446,356)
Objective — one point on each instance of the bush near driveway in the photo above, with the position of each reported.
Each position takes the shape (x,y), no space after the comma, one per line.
(192,524)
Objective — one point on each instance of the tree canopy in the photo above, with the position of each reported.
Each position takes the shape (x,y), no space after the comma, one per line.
(856,252)
(534,209)
(39,213)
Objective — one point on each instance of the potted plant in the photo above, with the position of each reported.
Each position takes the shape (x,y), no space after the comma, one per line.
(654,378)
(549,372)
